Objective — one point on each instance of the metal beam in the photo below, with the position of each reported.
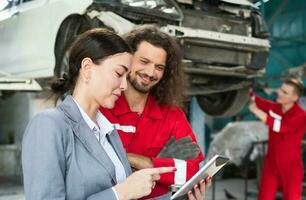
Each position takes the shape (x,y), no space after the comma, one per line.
(277,13)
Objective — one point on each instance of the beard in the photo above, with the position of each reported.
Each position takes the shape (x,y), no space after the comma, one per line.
(144,89)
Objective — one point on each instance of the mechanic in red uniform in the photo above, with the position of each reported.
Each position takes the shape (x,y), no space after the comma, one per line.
(286,120)
(149,112)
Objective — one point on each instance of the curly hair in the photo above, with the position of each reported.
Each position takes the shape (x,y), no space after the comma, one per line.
(169,90)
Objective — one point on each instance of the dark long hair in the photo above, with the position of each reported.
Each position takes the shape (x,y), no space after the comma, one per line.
(96,44)
(169,91)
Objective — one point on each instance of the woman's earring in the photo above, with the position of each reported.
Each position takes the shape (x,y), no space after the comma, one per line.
(86,81)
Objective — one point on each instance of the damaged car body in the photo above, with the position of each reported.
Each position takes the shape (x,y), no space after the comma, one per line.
(224,42)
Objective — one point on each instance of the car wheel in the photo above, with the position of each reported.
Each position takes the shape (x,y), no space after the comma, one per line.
(72,26)
(223,104)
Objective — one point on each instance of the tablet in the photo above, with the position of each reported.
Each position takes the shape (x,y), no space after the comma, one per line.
(209,169)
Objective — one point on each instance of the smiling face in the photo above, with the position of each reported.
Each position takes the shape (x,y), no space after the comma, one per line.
(147,68)
(286,94)
(106,80)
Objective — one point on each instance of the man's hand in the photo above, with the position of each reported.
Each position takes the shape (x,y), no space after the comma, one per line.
(251,93)
(252,105)
(184,149)
(256,111)
(139,162)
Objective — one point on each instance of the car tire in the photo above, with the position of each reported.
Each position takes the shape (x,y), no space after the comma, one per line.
(72,26)
(223,104)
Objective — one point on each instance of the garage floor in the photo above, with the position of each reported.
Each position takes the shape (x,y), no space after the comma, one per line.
(10,190)
(13,191)
(234,189)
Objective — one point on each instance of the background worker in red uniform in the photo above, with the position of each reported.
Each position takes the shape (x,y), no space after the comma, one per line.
(286,120)
(149,113)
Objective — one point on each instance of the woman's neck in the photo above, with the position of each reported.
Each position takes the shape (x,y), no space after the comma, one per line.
(89,106)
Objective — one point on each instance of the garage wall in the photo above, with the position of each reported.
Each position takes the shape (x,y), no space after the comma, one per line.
(15,113)
(286,20)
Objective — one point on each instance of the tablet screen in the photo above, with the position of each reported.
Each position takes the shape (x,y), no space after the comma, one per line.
(209,169)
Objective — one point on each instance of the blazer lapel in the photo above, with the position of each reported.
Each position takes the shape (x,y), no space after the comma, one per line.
(86,136)
(115,141)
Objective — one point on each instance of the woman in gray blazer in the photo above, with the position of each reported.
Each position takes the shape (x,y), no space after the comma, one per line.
(72,152)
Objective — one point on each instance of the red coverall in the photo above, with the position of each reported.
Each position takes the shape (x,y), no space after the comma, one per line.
(147,134)
(283,166)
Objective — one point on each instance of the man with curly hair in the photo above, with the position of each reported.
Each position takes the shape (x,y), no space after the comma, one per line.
(149,117)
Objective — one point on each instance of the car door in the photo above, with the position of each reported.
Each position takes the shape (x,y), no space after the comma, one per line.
(8,25)
(28,47)
(8,9)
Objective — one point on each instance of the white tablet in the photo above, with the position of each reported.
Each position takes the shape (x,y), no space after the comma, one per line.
(209,169)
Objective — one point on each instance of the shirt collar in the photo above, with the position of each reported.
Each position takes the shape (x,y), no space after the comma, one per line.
(293,109)
(105,126)
(121,106)
(152,109)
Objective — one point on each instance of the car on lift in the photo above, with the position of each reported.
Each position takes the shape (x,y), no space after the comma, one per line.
(224,41)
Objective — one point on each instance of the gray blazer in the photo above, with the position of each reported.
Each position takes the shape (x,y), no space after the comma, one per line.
(62,159)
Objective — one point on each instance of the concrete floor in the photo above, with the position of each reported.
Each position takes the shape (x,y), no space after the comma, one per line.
(11,191)
(235,187)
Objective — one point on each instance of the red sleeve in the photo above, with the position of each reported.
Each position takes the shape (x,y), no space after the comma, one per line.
(168,178)
(264,104)
(185,169)
(286,125)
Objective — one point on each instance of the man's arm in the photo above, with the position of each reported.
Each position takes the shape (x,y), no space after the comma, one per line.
(139,161)
(183,149)
(185,168)
(258,112)
(261,103)
(278,124)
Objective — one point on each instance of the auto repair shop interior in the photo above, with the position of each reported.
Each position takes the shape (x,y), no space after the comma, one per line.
(232,50)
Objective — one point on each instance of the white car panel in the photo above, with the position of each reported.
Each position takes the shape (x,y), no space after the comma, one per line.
(28,39)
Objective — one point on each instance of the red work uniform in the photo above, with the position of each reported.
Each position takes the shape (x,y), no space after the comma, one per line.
(148,133)
(283,166)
